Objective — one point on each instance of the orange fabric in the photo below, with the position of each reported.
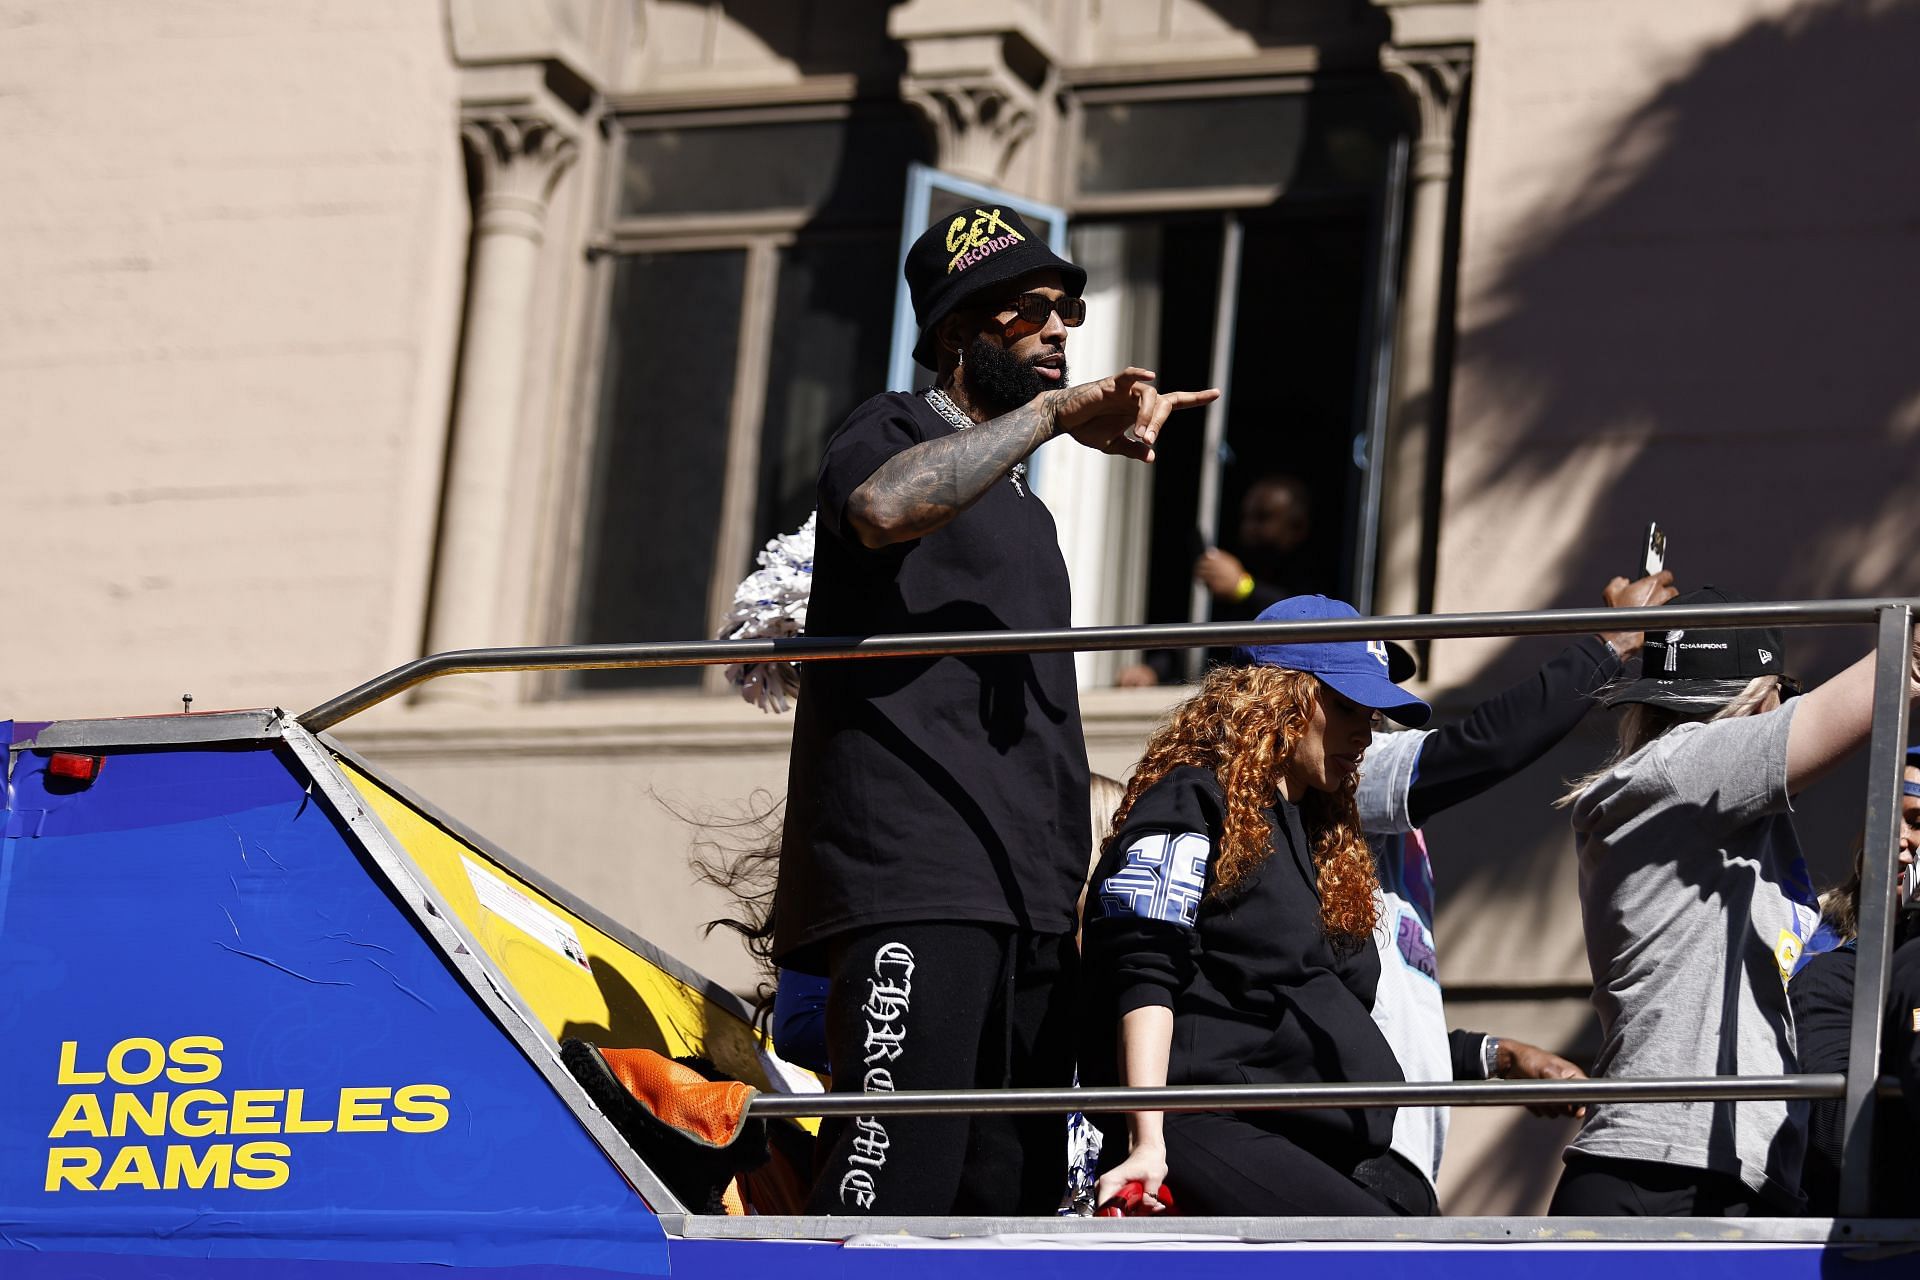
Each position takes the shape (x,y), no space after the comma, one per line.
(777,1186)
(709,1111)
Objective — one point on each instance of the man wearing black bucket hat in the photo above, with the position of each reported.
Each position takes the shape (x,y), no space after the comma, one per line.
(1696,905)
(937,828)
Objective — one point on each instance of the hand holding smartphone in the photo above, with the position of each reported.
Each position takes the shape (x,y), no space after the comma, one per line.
(1653,557)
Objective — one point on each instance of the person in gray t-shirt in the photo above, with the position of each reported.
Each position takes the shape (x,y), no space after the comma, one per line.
(1696,904)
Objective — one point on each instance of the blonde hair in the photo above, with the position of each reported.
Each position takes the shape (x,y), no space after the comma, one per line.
(1104,795)
(1642,722)
(1243,725)
(1840,906)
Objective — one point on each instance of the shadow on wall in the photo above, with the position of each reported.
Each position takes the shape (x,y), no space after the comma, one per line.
(1714,330)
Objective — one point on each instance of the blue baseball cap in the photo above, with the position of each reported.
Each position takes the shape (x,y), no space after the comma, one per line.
(1913,762)
(1357,669)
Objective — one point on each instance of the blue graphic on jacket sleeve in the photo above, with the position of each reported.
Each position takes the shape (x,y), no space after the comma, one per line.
(1163,877)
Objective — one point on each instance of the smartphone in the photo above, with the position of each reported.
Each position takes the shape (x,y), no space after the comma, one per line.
(1654,555)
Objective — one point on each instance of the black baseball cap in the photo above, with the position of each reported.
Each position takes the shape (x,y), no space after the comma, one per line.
(1682,663)
(974,251)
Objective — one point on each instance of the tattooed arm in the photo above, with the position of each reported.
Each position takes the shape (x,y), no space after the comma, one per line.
(920,489)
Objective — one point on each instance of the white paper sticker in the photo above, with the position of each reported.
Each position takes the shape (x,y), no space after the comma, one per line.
(518,909)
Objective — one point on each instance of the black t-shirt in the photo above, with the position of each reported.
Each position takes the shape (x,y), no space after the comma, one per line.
(1258,992)
(949,788)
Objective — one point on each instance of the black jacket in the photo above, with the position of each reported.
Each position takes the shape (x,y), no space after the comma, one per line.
(1822,996)
(1259,994)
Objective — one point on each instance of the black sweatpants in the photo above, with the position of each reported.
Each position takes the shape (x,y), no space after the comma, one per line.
(1604,1187)
(1220,1164)
(947,1006)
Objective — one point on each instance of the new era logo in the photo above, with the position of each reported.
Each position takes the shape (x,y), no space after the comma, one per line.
(1766,657)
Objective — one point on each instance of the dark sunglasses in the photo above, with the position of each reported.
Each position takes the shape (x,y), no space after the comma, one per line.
(1789,687)
(1034,308)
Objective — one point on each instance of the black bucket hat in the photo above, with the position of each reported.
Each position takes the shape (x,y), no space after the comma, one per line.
(976,250)
(1681,664)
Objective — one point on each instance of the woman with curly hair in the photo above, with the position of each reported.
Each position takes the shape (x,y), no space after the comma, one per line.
(1230,941)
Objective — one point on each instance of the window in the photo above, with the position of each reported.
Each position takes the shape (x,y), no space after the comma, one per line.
(1263,205)
(752,263)
(1226,144)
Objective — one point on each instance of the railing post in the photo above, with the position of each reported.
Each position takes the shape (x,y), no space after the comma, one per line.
(1885,758)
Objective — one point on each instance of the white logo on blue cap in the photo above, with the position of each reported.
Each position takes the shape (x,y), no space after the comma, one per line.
(1378,648)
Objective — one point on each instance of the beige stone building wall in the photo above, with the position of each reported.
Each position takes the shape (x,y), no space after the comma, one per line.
(231,247)
(1688,266)
(1686,259)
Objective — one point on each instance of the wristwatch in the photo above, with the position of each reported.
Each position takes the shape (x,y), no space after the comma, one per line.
(1490,1057)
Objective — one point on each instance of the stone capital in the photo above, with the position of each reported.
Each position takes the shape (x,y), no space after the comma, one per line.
(520,158)
(980,75)
(978,123)
(1435,82)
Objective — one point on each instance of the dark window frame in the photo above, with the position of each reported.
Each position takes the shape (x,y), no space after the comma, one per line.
(764,235)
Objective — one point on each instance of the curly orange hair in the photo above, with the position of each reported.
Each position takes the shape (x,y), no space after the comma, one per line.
(1244,724)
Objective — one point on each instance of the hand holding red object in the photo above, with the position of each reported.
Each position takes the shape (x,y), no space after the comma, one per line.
(1132,1201)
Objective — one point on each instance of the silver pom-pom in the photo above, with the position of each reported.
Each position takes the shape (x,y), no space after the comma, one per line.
(771,603)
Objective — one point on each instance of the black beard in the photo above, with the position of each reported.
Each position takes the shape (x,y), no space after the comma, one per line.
(998,381)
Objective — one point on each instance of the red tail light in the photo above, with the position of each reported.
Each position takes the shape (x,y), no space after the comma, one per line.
(74,767)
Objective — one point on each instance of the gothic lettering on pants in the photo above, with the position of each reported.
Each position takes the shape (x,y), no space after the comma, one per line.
(889,998)
(859,1184)
(870,1143)
(883,1042)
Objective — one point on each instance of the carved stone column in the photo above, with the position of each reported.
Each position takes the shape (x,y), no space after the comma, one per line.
(520,157)
(1435,81)
(981,75)
(978,125)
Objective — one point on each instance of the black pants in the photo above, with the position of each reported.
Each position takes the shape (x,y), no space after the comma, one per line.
(947,1006)
(1218,1163)
(1602,1187)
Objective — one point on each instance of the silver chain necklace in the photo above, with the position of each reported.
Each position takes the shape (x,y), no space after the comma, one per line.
(944,406)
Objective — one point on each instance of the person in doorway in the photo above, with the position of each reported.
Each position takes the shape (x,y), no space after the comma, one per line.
(1696,905)
(936,827)
(1411,777)
(1232,940)
(1276,517)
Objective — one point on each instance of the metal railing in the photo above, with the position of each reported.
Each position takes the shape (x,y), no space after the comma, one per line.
(1893,619)
(1302,1097)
